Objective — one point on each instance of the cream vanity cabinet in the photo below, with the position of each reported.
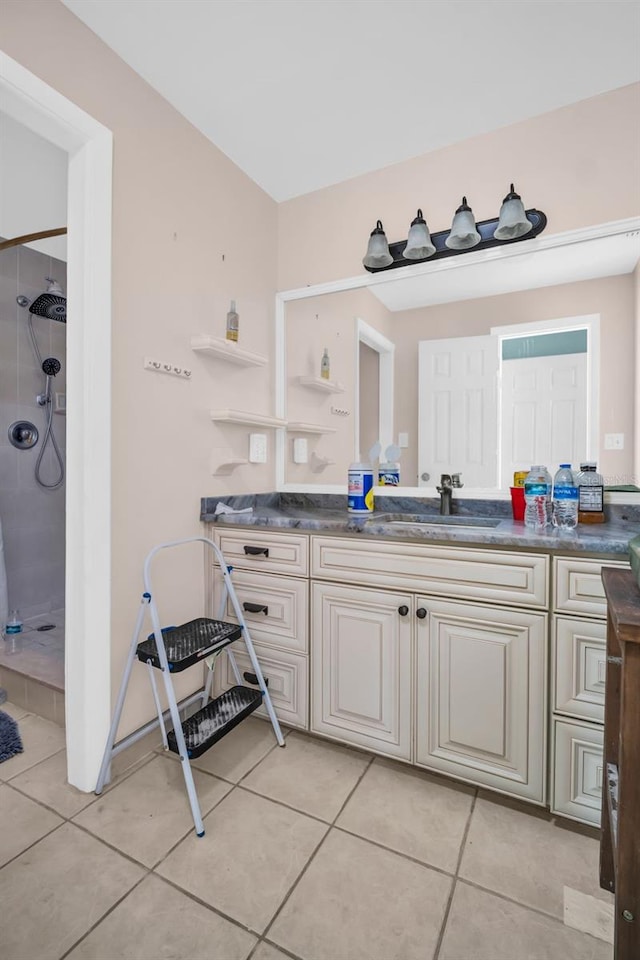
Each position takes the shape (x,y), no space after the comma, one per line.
(578,683)
(270,576)
(455,685)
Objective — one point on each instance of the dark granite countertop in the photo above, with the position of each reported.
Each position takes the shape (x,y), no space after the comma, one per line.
(326,513)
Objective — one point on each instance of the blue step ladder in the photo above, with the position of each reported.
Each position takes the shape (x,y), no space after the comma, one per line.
(173,649)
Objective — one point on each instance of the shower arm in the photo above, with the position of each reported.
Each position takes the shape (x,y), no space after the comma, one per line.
(29,237)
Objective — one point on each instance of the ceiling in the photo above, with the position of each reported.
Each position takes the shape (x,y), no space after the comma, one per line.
(301,94)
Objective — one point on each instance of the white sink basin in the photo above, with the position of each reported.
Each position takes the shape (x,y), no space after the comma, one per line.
(416,519)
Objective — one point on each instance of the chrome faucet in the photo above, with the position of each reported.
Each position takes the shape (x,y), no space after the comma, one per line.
(447,484)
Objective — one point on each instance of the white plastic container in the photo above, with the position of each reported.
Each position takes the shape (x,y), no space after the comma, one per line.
(360,487)
(389,474)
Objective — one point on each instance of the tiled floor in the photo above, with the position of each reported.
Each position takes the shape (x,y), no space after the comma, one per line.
(316,852)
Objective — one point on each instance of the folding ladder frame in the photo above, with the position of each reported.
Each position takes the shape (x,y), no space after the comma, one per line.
(148,602)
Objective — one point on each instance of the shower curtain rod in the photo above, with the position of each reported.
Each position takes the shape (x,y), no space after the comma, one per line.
(28,237)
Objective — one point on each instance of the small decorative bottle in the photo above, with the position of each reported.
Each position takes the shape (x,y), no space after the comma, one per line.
(233,323)
(325,366)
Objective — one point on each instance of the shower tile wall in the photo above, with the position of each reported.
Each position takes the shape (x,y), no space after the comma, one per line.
(32,519)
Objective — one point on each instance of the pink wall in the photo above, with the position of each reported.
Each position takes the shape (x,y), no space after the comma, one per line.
(179,206)
(579,164)
(612,298)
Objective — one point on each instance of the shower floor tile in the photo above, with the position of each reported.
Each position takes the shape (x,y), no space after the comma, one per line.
(38,656)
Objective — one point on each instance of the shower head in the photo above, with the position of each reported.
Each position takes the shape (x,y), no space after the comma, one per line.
(50,305)
(51,366)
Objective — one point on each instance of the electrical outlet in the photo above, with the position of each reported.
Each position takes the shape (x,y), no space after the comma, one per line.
(257,448)
(614,441)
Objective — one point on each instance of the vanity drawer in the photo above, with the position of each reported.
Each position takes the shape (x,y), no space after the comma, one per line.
(580,665)
(284,621)
(288,676)
(491,576)
(578,771)
(578,585)
(254,549)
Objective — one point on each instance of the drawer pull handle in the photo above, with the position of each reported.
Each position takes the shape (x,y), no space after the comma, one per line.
(403,610)
(421,613)
(251,678)
(255,608)
(256,551)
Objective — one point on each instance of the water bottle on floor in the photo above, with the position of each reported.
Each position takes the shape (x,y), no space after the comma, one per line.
(565,499)
(537,498)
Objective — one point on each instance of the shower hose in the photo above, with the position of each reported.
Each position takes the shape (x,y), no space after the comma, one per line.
(49,436)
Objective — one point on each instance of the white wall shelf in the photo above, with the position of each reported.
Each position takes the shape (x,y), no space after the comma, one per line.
(241,418)
(225,469)
(324,386)
(299,427)
(226,350)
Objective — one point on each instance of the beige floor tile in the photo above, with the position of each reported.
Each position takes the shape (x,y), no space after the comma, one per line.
(13,709)
(47,782)
(310,775)
(484,927)
(239,751)
(23,822)
(266,952)
(360,902)
(250,856)
(528,858)
(411,812)
(40,739)
(57,890)
(146,814)
(154,921)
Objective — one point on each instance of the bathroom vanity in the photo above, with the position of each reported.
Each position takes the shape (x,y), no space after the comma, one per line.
(477,651)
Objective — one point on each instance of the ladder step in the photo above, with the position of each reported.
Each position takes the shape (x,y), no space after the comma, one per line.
(213,722)
(190,642)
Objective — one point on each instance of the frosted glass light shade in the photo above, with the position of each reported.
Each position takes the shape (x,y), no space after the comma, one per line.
(419,245)
(463,233)
(377,254)
(513,220)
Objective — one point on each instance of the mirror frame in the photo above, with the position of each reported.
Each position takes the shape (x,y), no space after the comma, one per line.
(542,242)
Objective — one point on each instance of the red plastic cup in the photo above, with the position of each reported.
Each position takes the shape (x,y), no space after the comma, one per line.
(517,502)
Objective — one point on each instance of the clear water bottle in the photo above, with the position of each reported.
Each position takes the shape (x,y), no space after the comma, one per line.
(537,498)
(565,499)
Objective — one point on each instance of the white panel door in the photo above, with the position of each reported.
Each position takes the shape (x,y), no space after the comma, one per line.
(544,412)
(361,667)
(481,695)
(458,410)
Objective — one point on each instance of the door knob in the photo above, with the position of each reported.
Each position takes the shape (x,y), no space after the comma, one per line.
(403,610)
(421,613)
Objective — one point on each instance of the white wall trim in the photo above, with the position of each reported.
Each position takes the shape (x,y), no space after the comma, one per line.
(385,349)
(88,487)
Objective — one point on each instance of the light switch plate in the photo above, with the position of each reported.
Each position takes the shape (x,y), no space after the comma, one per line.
(257,448)
(403,440)
(614,441)
(300,450)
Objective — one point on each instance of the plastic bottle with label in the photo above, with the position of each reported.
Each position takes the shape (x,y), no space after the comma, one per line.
(537,498)
(590,494)
(565,499)
(360,486)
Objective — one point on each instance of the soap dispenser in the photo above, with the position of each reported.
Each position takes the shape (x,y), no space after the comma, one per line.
(325,366)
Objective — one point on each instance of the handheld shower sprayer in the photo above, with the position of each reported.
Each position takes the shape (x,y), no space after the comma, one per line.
(50,367)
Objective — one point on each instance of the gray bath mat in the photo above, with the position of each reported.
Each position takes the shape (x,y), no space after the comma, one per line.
(10,741)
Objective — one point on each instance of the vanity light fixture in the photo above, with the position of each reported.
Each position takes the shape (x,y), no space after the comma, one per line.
(513,224)
(513,221)
(463,234)
(419,245)
(377,256)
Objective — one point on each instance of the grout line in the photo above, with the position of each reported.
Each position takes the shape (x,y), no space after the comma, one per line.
(103,917)
(398,853)
(287,806)
(281,949)
(314,853)
(208,906)
(519,903)
(35,843)
(445,918)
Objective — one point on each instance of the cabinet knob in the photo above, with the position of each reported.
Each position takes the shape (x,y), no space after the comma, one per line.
(403,610)
(421,613)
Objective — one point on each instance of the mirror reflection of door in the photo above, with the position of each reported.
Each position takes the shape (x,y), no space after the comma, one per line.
(369,398)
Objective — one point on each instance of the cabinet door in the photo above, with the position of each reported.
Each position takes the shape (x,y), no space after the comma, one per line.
(580,667)
(361,667)
(481,695)
(285,673)
(577,771)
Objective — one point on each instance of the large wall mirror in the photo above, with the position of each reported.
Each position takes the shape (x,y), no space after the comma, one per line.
(481,364)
